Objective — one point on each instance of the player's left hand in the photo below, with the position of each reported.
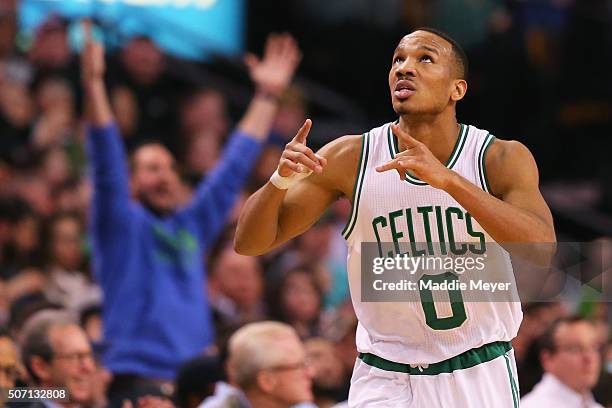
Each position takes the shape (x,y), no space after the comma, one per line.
(274,72)
(419,160)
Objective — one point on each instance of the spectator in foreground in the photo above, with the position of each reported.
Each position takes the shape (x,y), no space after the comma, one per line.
(56,353)
(9,362)
(330,380)
(148,253)
(570,357)
(276,378)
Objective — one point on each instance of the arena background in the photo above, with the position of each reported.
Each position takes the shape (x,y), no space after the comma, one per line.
(539,73)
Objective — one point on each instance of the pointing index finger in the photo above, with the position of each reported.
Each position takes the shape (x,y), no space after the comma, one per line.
(301,135)
(404,136)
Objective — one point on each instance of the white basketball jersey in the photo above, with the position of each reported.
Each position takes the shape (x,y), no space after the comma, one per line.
(386,208)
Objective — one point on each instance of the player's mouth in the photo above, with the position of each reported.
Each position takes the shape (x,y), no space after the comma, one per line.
(404,89)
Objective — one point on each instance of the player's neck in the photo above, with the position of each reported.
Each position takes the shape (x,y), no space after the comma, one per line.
(439,134)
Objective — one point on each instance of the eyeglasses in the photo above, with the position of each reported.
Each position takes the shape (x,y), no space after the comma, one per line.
(303,365)
(576,349)
(75,357)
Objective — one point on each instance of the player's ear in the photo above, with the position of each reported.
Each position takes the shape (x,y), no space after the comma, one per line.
(459,89)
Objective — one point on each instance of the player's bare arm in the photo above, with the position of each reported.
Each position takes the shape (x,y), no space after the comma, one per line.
(273,216)
(513,176)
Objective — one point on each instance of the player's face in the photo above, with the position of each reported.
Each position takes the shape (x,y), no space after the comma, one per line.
(423,77)
(154,180)
(576,360)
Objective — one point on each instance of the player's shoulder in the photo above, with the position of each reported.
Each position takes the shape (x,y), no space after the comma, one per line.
(500,151)
(508,162)
(508,154)
(351,145)
(347,147)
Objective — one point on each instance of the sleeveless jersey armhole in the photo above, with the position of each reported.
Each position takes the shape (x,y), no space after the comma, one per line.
(482,168)
(361,170)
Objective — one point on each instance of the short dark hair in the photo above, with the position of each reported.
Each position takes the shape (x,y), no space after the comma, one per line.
(547,340)
(460,55)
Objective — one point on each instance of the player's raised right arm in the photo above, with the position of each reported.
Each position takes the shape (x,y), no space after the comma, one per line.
(272,216)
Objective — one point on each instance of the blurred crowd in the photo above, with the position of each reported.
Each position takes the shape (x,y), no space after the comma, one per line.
(45,190)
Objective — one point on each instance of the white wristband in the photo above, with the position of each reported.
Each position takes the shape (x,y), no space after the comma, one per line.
(283,183)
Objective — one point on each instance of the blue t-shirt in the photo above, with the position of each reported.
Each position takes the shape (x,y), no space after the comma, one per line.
(156,313)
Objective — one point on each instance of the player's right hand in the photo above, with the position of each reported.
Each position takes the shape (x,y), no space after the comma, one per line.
(298,158)
(92,56)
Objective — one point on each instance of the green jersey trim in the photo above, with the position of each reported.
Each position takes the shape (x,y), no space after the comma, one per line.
(363,162)
(464,360)
(513,387)
(452,160)
(482,168)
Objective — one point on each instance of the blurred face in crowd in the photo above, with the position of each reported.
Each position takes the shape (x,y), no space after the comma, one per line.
(143,60)
(423,77)
(56,167)
(26,234)
(155,181)
(317,240)
(9,365)
(50,48)
(576,359)
(327,368)
(66,243)
(125,107)
(291,113)
(55,94)
(300,297)
(203,153)
(206,112)
(71,365)
(239,278)
(287,381)
(15,104)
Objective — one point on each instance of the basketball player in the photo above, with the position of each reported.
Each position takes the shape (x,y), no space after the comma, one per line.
(456,183)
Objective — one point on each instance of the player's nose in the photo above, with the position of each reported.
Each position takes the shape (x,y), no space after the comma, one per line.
(406,68)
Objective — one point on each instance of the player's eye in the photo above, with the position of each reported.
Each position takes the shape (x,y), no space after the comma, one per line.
(398,60)
(426,58)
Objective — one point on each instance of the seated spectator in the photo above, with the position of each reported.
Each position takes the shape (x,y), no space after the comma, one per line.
(22,249)
(16,114)
(56,353)
(9,362)
(278,378)
(297,301)
(570,357)
(65,264)
(236,290)
(330,380)
(537,316)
